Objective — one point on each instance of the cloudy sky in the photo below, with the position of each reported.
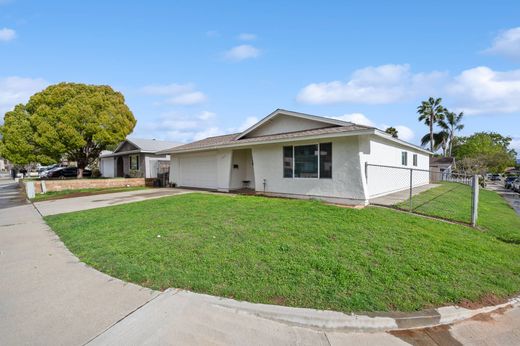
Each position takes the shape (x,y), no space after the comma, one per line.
(194,69)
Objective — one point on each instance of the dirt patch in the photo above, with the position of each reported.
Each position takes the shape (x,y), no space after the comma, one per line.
(488,299)
(487,317)
(427,336)
(278,300)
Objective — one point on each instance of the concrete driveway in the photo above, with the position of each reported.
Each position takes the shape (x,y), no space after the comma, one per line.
(67,205)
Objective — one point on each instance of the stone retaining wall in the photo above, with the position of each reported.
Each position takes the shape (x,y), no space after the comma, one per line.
(74,184)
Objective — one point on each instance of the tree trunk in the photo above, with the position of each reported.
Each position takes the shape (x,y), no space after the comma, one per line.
(431,133)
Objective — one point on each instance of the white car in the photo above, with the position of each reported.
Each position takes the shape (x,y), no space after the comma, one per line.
(515,186)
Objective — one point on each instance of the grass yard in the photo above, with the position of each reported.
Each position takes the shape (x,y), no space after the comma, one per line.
(81,192)
(453,201)
(292,252)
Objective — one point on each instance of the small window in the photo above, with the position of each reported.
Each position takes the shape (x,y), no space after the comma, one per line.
(325,160)
(306,161)
(414,160)
(287,162)
(134,162)
(404,158)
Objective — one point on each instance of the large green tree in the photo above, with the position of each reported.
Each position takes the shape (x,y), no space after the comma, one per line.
(484,152)
(430,112)
(71,120)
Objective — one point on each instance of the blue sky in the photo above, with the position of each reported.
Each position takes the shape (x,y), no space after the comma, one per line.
(191,69)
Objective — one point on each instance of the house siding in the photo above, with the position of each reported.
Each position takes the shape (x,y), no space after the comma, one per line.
(384,180)
(346,183)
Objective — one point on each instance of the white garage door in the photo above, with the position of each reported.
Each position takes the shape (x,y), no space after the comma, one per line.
(198,170)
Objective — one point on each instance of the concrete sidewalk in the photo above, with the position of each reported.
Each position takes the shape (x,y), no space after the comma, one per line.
(401,196)
(67,205)
(47,296)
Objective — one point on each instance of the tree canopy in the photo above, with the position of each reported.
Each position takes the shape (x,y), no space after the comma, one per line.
(484,152)
(392,131)
(75,121)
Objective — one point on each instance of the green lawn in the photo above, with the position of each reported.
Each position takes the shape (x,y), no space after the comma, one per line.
(292,252)
(453,201)
(81,192)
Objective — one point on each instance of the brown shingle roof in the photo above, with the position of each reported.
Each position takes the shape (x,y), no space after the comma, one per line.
(215,142)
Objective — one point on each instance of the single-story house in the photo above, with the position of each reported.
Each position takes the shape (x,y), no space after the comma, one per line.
(135,158)
(303,156)
(441,167)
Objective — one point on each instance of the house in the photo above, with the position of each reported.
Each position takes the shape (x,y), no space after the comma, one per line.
(135,158)
(303,156)
(441,167)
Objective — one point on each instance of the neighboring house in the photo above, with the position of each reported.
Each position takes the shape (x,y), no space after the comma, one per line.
(441,167)
(303,156)
(135,158)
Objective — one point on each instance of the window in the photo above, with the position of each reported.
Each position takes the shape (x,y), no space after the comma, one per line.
(308,161)
(404,158)
(415,160)
(287,162)
(326,160)
(134,162)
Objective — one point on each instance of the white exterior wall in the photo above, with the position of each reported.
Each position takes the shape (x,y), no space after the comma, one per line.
(346,183)
(107,167)
(208,169)
(383,180)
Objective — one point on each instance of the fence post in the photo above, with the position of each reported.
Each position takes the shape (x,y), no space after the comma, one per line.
(411,186)
(366,171)
(474,200)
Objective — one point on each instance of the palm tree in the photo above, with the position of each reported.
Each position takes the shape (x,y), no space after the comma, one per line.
(431,112)
(451,123)
(392,131)
(440,140)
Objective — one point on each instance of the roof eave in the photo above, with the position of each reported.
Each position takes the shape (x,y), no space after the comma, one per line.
(274,141)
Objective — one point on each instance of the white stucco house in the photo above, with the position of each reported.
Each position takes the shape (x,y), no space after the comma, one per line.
(303,156)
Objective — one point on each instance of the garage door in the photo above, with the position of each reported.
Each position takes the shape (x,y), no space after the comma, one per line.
(198,170)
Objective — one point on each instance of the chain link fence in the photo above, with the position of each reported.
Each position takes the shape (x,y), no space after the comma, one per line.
(440,194)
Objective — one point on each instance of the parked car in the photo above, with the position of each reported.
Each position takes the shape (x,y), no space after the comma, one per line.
(516,185)
(508,183)
(66,172)
(495,177)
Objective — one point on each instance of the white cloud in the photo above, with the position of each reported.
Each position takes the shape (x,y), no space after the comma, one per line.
(356,118)
(250,121)
(479,90)
(405,133)
(507,43)
(190,98)
(7,34)
(247,37)
(209,132)
(372,85)
(176,94)
(242,52)
(15,90)
(482,90)
(206,115)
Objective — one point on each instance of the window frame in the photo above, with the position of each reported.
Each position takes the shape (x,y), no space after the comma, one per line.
(404,158)
(294,161)
(415,160)
(130,162)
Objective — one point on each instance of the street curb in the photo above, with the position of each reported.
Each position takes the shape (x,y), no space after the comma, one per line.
(327,320)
